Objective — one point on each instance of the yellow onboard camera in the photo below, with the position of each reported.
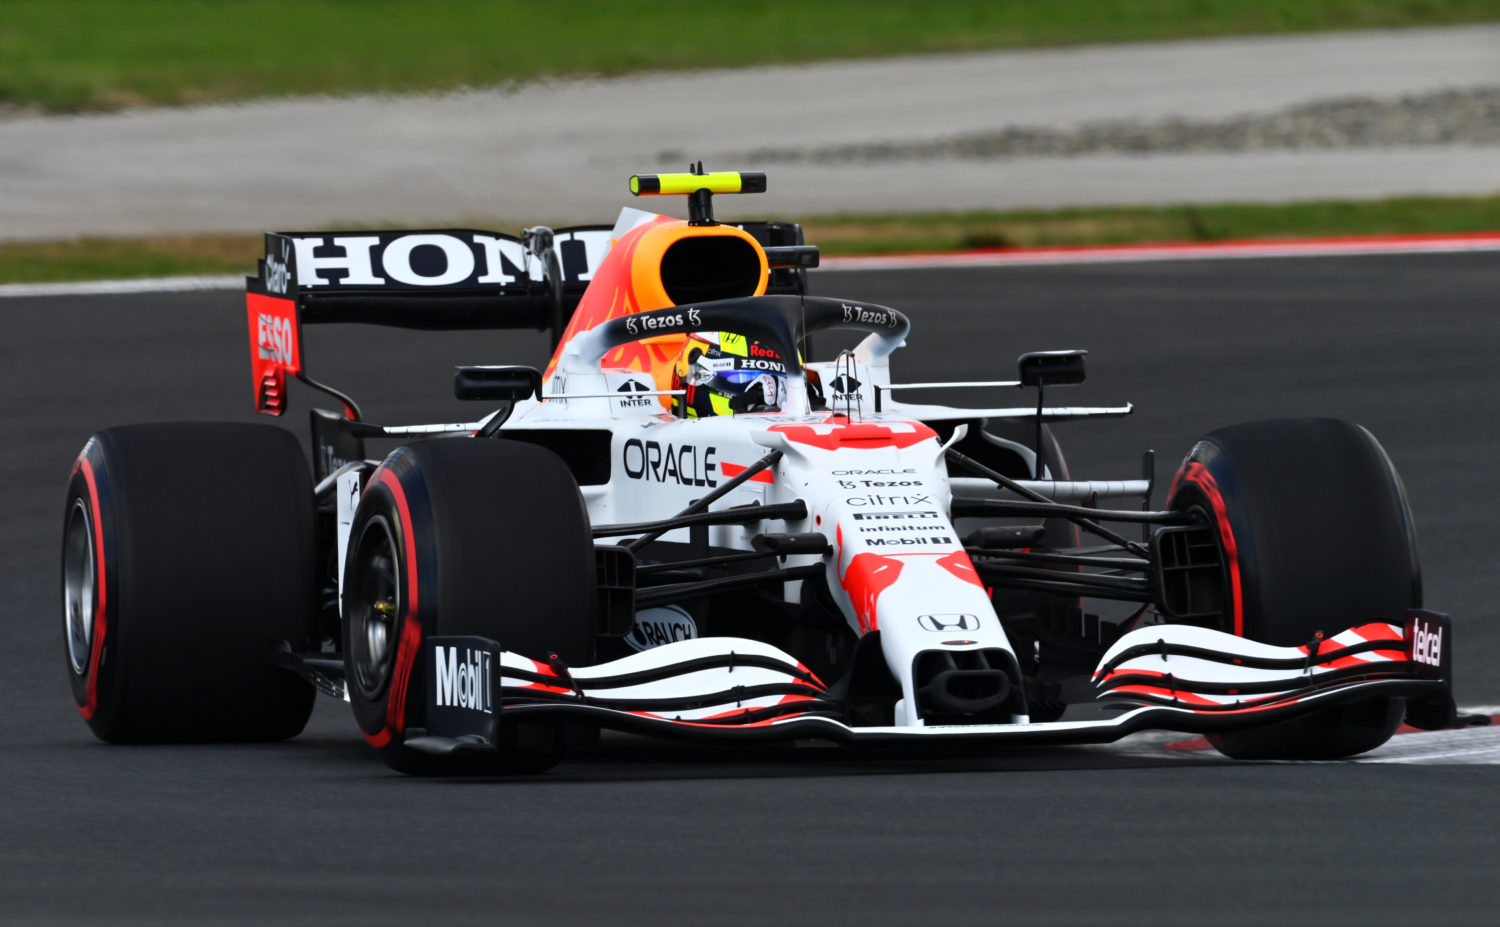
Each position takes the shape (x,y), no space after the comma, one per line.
(699,188)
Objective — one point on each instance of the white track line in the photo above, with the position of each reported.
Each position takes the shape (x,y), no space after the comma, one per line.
(124,287)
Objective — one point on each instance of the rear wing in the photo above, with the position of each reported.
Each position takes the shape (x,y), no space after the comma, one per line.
(445,279)
(432,279)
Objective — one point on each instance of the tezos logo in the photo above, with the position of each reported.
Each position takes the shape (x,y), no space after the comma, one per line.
(278,274)
(276,339)
(463,679)
(949,622)
(868,316)
(636,324)
(878,484)
(657,626)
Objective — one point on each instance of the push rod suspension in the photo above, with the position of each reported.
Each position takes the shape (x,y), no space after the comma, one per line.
(739,515)
(1086,523)
(1063,510)
(676,592)
(701,505)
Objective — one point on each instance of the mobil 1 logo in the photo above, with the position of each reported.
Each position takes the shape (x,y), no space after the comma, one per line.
(463,685)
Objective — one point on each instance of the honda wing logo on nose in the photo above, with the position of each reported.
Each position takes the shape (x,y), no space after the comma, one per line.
(949,622)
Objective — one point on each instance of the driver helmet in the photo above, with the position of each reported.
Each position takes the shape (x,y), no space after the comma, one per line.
(721,373)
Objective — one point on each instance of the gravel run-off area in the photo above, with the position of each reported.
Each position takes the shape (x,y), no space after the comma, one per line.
(1448,117)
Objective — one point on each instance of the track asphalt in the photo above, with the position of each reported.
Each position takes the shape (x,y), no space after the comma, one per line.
(550,152)
(316,831)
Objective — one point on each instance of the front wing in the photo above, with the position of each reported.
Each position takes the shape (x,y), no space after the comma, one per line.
(733,690)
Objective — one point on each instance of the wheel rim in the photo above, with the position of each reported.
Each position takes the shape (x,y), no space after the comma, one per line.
(80,586)
(374,604)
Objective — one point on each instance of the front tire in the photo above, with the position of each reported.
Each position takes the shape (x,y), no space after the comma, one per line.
(463,536)
(188,550)
(1316,536)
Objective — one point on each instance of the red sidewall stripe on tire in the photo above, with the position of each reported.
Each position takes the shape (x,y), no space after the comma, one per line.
(1198,475)
(91,698)
(411,631)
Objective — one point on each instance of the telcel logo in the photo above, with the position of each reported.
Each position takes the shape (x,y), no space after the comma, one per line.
(1426,646)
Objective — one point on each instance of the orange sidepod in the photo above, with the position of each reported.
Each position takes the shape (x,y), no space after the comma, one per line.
(629,279)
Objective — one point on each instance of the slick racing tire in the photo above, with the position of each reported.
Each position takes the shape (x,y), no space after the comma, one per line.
(188,557)
(463,536)
(1313,515)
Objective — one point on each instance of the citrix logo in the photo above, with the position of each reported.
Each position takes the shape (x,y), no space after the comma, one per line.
(875,499)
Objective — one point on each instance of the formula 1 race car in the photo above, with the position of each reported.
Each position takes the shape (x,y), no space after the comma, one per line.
(686,527)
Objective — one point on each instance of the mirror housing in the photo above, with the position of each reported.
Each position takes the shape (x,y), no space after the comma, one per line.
(1051,368)
(497,383)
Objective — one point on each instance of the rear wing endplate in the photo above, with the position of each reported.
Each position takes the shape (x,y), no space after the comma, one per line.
(448,279)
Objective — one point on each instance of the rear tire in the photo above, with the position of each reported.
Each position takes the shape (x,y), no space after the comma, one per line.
(188,549)
(1312,515)
(463,536)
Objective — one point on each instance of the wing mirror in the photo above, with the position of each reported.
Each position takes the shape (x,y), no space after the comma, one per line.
(1051,368)
(497,383)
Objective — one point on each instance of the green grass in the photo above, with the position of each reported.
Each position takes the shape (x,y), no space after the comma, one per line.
(885,234)
(120,258)
(97,259)
(80,55)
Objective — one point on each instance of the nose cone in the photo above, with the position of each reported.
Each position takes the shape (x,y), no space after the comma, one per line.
(967,686)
